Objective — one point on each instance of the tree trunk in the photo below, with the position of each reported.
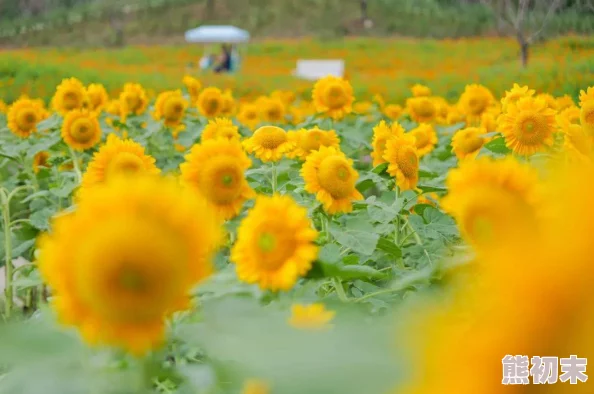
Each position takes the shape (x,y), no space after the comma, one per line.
(210,8)
(524,49)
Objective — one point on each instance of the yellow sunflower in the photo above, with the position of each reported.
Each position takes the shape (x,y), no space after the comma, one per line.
(144,249)
(220,128)
(115,158)
(40,161)
(70,95)
(419,90)
(489,121)
(330,175)
(467,143)
(333,96)
(425,138)
(228,108)
(271,110)
(97,97)
(403,161)
(3,106)
(587,109)
(268,143)
(362,107)
(171,107)
(249,116)
(286,96)
(475,100)
(568,117)
(421,109)
(311,317)
(528,126)
(193,87)
(512,96)
(381,134)
(114,107)
(210,102)
(578,143)
(23,116)
(275,243)
(549,99)
(309,140)
(564,102)
(393,111)
(255,386)
(215,169)
(487,196)
(133,99)
(81,129)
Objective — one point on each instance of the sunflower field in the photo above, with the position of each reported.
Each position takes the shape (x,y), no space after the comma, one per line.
(202,242)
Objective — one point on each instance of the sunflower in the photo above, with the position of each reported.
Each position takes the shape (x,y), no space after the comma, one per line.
(97,97)
(564,102)
(171,107)
(425,138)
(587,109)
(333,96)
(309,140)
(228,108)
(296,114)
(3,106)
(255,386)
(268,143)
(569,116)
(468,142)
(23,116)
(248,116)
(117,157)
(275,243)
(475,100)
(144,248)
(549,99)
(216,170)
(419,90)
(220,128)
(578,143)
(492,199)
(70,95)
(114,107)
(362,107)
(329,174)
(379,100)
(381,134)
(528,126)
(310,317)
(210,102)
(81,129)
(286,96)
(512,96)
(393,111)
(193,87)
(403,161)
(489,121)
(133,99)
(271,110)
(40,161)
(421,109)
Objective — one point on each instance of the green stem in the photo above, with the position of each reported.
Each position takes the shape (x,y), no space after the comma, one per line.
(274,178)
(339,290)
(8,270)
(75,165)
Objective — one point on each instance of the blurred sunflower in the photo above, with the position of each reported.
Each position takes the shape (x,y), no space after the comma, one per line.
(268,143)
(220,128)
(228,106)
(133,100)
(3,106)
(421,109)
(489,121)
(403,161)
(275,243)
(568,117)
(255,386)
(587,109)
(23,116)
(248,116)
(286,96)
(330,175)
(419,90)
(487,196)
(70,95)
(393,111)
(578,143)
(309,140)
(333,96)
(475,100)
(512,96)
(549,99)
(467,143)
(115,158)
(425,138)
(271,110)
(40,161)
(564,102)
(114,107)
(311,317)
(143,251)
(97,97)
(193,87)
(81,129)
(381,134)
(216,170)
(528,126)
(171,107)
(210,102)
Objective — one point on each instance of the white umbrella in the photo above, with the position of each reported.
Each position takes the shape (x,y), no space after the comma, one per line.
(217,34)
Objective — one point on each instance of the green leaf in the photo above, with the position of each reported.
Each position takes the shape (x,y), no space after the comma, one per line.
(389,247)
(432,189)
(498,146)
(329,253)
(359,241)
(41,218)
(380,168)
(434,224)
(351,259)
(65,191)
(358,272)
(23,247)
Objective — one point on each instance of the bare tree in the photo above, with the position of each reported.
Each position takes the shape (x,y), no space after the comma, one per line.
(526,19)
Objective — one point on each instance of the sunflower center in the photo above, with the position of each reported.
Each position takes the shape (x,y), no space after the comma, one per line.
(312,141)
(335,96)
(71,100)
(336,177)
(266,242)
(471,143)
(408,162)
(532,129)
(421,139)
(131,280)
(227,132)
(82,130)
(477,105)
(26,119)
(270,137)
(173,110)
(133,102)
(125,163)
(222,180)
(426,108)
(275,246)
(589,117)
(212,105)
